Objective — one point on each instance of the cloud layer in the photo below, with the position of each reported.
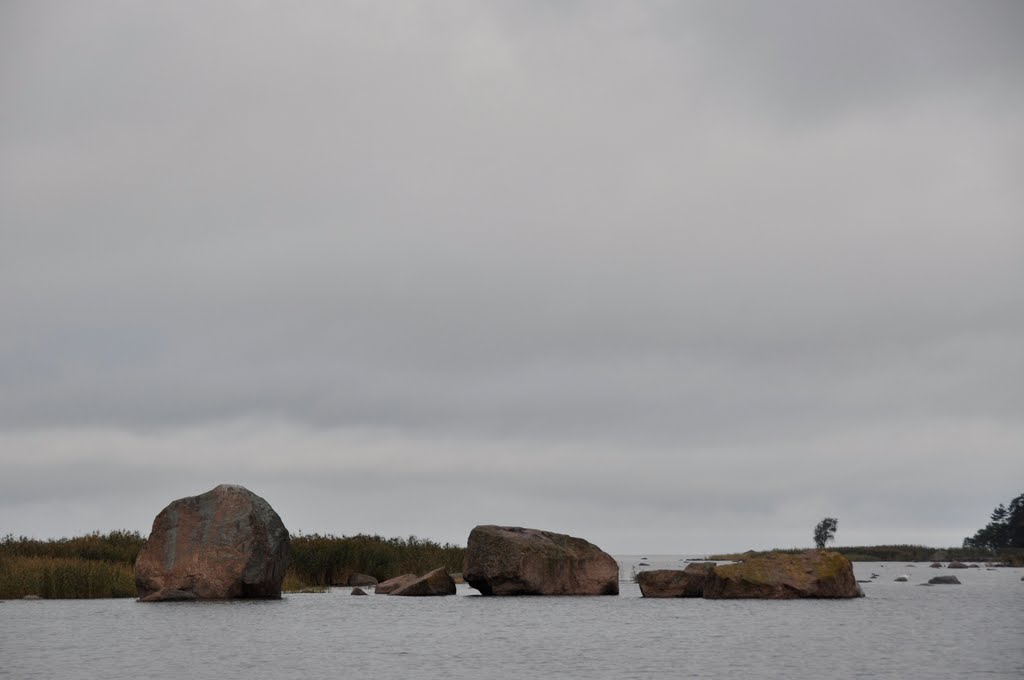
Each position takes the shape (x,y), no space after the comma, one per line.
(677,278)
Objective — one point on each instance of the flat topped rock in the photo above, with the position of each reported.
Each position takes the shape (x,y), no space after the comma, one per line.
(783,576)
(225,543)
(519,561)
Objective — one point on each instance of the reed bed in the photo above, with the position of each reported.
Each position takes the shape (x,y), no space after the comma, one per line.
(326,560)
(64,578)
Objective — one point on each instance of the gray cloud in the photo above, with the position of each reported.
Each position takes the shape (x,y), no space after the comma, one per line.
(647,231)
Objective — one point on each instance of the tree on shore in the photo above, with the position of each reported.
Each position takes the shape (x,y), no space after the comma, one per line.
(1005,530)
(825,532)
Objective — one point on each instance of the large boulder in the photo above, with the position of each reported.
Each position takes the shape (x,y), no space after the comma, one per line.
(436,582)
(393,584)
(225,543)
(688,582)
(782,576)
(518,561)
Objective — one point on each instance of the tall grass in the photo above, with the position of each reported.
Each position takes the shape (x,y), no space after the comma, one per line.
(94,565)
(116,546)
(64,577)
(329,560)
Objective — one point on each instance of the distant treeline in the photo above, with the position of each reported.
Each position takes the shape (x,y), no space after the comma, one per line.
(906,553)
(101,565)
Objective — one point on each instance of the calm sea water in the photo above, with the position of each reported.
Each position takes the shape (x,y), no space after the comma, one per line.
(898,631)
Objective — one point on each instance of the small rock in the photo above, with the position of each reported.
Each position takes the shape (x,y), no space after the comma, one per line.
(31,597)
(358,591)
(902,579)
(361,580)
(956,565)
(437,582)
(393,584)
(675,582)
(944,580)
(935,565)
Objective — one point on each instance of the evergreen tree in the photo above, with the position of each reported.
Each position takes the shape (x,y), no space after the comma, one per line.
(1006,530)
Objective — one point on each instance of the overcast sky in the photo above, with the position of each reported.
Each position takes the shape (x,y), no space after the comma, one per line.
(675,277)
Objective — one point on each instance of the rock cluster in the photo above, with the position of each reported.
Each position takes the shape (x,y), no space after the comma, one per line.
(225,543)
(518,561)
(776,576)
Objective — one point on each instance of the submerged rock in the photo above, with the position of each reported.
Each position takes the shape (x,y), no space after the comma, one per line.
(901,579)
(944,580)
(436,582)
(687,582)
(392,584)
(518,561)
(225,543)
(782,576)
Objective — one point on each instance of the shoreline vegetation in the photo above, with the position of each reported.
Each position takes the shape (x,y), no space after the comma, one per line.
(101,565)
(1013,557)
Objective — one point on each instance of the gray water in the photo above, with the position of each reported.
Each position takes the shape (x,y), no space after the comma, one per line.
(899,630)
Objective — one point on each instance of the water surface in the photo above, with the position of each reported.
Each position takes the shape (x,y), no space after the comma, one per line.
(900,630)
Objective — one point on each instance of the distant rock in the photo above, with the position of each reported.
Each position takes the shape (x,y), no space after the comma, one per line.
(956,565)
(31,597)
(944,580)
(436,582)
(392,584)
(975,566)
(643,564)
(518,561)
(358,591)
(935,565)
(225,543)
(361,580)
(902,579)
(687,582)
(782,576)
